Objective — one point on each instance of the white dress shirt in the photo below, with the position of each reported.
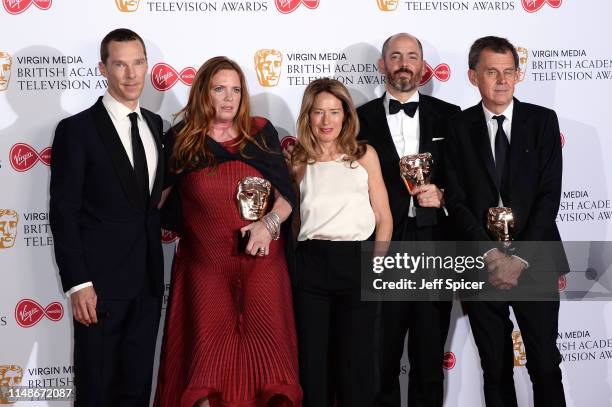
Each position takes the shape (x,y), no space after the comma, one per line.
(118,113)
(492,128)
(405,133)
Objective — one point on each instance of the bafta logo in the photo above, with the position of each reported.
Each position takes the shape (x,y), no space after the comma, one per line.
(416,169)
(523,55)
(127,6)
(520,358)
(387,5)
(253,196)
(500,224)
(10,376)
(8,228)
(268,63)
(5,70)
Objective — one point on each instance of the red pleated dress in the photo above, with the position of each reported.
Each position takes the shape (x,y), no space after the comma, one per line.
(230,332)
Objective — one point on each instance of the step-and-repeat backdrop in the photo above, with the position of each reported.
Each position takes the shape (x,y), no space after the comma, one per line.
(48,70)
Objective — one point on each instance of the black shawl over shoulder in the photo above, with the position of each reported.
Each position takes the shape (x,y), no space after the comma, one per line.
(270,163)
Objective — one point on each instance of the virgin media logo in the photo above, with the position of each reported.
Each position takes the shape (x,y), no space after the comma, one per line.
(23,157)
(562,283)
(19,6)
(449,360)
(289,6)
(28,312)
(442,73)
(164,76)
(168,236)
(531,6)
(287,141)
(562,140)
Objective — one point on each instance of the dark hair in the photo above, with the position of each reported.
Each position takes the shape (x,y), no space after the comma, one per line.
(496,44)
(388,40)
(119,35)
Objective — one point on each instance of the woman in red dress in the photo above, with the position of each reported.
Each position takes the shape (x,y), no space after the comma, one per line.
(229,338)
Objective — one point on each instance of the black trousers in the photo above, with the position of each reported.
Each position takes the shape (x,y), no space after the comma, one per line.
(492,329)
(113,359)
(336,330)
(427,326)
(426,323)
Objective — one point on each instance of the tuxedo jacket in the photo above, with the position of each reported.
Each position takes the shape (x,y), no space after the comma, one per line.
(433,116)
(103,229)
(534,180)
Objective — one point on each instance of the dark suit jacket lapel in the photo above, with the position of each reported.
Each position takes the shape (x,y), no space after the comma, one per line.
(517,139)
(482,143)
(379,121)
(121,161)
(427,120)
(159,173)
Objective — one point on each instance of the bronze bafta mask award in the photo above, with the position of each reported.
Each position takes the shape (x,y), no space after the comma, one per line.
(416,169)
(500,223)
(253,197)
(10,377)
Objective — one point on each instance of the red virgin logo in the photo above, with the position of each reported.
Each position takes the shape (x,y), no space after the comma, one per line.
(168,236)
(19,6)
(449,360)
(531,6)
(562,140)
(28,312)
(562,283)
(287,141)
(289,6)
(23,157)
(442,73)
(164,76)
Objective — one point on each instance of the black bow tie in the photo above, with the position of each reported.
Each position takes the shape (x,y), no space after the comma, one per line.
(409,108)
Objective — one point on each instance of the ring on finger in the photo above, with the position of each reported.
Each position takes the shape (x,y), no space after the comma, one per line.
(260,251)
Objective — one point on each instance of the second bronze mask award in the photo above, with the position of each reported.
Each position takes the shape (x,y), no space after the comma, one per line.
(500,224)
(416,169)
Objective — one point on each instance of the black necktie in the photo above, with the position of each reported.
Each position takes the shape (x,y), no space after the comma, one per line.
(140,159)
(502,152)
(409,108)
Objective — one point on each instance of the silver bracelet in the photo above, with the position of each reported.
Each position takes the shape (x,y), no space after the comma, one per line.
(272,223)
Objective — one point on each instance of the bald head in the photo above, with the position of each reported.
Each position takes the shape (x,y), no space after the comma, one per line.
(394,37)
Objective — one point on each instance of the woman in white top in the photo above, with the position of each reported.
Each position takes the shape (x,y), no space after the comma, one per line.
(343,201)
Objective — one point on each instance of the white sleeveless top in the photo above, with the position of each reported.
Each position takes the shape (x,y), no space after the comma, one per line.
(334,202)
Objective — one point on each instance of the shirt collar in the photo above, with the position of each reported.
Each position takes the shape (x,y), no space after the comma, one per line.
(507,113)
(117,110)
(413,98)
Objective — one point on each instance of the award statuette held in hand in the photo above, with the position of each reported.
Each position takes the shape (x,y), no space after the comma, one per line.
(416,169)
(500,224)
(253,197)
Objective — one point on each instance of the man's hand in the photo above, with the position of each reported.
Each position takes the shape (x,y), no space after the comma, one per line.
(493,259)
(506,273)
(428,196)
(83,304)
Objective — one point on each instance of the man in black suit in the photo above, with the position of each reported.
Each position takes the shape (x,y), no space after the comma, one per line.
(400,123)
(503,152)
(106,181)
